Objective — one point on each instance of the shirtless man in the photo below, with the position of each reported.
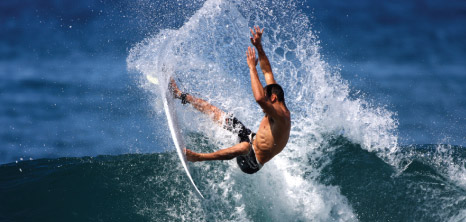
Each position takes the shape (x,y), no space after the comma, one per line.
(253,150)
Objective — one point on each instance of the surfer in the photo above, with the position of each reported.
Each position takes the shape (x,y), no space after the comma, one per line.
(253,149)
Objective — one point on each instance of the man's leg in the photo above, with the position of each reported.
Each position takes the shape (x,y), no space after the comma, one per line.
(203,106)
(199,104)
(223,154)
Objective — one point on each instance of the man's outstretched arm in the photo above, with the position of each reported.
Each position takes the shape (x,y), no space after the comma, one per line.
(263,60)
(256,84)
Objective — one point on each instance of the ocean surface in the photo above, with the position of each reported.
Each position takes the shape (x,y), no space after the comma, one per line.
(375,89)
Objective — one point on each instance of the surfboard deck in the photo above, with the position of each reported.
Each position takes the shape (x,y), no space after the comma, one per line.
(172,120)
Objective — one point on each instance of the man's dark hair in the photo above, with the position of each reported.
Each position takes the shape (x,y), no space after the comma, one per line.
(275,89)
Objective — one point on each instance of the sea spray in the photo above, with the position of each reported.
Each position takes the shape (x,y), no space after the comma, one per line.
(77,89)
(206,57)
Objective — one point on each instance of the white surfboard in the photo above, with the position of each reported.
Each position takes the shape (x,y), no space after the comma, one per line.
(172,119)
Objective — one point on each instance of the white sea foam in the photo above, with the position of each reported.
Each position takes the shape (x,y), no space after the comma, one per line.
(446,162)
(207,56)
(461,216)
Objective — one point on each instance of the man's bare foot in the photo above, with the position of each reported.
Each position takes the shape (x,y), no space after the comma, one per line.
(192,156)
(174,88)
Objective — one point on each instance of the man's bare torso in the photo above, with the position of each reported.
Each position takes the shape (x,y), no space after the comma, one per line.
(272,136)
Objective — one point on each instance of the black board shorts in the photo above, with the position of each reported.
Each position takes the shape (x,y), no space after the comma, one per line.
(247,163)
(234,125)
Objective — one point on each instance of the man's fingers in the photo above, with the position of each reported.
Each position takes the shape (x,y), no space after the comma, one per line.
(250,53)
(257,30)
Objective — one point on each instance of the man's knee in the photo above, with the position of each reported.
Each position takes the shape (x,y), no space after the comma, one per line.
(244,148)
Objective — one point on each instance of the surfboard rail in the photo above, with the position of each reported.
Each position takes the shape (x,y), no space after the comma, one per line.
(172,120)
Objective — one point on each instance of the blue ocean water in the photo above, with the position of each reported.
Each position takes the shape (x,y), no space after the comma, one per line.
(406,55)
(376,91)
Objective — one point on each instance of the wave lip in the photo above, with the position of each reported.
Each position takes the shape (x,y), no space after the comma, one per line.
(352,184)
(207,53)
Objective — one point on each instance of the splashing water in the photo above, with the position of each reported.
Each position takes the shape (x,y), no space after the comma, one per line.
(347,158)
(207,57)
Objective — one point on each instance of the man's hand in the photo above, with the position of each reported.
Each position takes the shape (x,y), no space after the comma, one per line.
(191,156)
(263,60)
(256,37)
(251,57)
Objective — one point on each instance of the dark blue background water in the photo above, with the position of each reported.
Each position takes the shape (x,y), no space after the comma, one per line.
(64,88)
(65,92)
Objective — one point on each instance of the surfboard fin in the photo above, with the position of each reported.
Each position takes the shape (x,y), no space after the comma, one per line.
(152,79)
